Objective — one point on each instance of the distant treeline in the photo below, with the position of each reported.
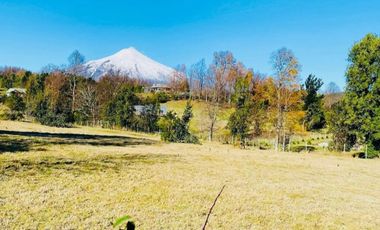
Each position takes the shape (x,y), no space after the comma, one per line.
(278,105)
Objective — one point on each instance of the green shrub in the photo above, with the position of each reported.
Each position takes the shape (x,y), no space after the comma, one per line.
(372,152)
(175,129)
(300,148)
(17,107)
(4,112)
(56,120)
(263,145)
(46,116)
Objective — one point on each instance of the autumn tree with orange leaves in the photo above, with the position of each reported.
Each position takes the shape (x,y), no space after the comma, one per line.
(288,95)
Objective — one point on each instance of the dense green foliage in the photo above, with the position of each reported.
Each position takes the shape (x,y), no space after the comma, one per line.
(315,117)
(359,113)
(239,121)
(17,106)
(119,111)
(344,138)
(175,129)
(147,120)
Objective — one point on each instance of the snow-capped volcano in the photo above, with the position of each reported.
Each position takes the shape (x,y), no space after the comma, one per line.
(129,62)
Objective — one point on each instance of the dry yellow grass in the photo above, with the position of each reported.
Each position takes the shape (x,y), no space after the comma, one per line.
(87,181)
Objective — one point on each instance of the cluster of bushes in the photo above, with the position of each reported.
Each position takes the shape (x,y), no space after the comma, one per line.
(300,148)
(16,107)
(263,145)
(175,129)
(62,99)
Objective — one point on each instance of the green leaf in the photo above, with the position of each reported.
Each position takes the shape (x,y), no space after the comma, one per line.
(121,221)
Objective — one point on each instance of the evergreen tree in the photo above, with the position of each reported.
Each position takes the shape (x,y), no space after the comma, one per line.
(361,102)
(315,117)
(120,110)
(17,106)
(174,129)
(240,120)
(147,120)
(53,106)
(363,90)
(187,114)
(337,117)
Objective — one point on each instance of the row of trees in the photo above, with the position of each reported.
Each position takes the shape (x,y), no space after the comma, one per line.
(61,97)
(275,99)
(279,105)
(353,120)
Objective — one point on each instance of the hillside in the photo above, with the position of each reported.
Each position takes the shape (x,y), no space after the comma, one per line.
(81,177)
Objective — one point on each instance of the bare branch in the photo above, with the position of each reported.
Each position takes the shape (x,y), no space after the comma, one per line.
(209,212)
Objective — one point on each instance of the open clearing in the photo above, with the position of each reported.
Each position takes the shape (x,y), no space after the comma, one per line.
(85,178)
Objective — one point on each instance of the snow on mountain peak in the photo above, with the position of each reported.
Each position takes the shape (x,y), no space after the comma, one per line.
(129,62)
(128,51)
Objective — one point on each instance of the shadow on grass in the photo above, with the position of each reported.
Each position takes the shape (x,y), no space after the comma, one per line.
(8,144)
(100,163)
(14,145)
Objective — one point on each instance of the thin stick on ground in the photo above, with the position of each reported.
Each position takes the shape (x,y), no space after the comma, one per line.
(209,212)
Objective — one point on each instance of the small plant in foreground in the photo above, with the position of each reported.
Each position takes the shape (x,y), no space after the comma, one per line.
(124,223)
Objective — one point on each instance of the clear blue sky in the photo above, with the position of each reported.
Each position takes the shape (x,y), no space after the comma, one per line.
(320,32)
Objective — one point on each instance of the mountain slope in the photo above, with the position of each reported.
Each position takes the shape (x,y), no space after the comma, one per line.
(129,62)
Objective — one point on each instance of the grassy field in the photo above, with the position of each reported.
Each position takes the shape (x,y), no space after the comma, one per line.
(85,178)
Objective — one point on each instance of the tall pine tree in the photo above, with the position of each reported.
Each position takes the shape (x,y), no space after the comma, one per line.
(315,117)
(239,121)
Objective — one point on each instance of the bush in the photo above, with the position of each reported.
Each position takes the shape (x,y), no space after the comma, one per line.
(175,129)
(263,145)
(147,120)
(56,120)
(17,107)
(161,97)
(372,152)
(4,112)
(46,116)
(300,148)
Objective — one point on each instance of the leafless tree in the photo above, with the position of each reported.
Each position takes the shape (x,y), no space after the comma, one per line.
(87,101)
(197,77)
(222,68)
(212,112)
(74,69)
(51,68)
(178,80)
(332,94)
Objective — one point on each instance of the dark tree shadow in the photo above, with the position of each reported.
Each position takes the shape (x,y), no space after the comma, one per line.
(109,162)
(10,144)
